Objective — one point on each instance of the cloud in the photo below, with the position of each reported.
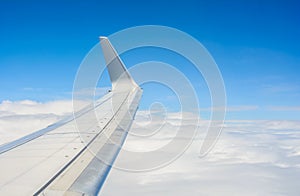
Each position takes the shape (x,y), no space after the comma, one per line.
(280,88)
(26,107)
(283,108)
(232,108)
(260,157)
(19,118)
(250,158)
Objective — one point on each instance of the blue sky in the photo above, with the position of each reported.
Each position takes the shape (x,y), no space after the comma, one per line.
(256,45)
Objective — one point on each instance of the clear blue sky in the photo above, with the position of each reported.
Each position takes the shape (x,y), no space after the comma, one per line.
(255,43)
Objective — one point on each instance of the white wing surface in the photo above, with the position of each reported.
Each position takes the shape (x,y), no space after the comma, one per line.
(58,160)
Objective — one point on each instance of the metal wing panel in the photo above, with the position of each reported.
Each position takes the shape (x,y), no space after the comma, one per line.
(28,166)
(106,146)
(59,159)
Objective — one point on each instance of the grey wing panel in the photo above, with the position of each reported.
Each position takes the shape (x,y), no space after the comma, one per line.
(29,164)
(32,136)
(59,159)
(95,162)
(107,154)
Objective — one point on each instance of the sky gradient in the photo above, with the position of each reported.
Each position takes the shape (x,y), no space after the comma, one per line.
(256,45)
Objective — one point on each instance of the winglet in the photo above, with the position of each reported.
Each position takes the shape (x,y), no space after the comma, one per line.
(119,75)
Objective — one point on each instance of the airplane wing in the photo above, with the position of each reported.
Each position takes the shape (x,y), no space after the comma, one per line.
(58,160)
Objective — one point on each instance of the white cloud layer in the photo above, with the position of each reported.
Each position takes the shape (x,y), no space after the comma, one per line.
(20,118)
(250,158)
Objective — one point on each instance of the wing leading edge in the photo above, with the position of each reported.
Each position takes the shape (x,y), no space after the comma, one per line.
(56,161)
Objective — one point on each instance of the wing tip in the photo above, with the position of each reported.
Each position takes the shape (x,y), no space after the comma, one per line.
(103,38)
